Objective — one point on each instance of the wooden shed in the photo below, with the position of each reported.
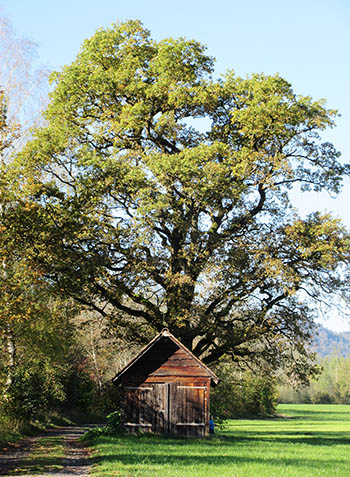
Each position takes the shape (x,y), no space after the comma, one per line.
(166,390)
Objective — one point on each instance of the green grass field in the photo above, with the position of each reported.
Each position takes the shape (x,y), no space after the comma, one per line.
(314,440)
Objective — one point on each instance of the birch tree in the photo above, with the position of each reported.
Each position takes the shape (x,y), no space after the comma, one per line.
(22,91)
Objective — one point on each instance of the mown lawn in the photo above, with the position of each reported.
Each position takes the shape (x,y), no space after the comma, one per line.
(314,440)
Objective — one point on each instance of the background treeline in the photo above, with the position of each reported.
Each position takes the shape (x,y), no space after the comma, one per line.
(332,386)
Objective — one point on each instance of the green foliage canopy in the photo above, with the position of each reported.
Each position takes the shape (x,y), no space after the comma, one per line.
(161,197)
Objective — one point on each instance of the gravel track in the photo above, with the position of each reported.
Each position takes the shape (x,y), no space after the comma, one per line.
(75,462)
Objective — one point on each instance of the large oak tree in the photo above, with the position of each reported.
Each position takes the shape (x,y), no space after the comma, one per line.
(161,198)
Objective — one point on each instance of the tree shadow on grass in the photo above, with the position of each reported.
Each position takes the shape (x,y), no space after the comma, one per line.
(208,460)
(318,415)
(290,437)
(285,437)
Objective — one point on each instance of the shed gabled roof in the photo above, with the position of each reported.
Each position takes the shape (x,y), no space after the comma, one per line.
(164,334)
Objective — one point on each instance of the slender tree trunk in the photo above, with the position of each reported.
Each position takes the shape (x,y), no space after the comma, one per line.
(10,335)
(94,358)
(11,354)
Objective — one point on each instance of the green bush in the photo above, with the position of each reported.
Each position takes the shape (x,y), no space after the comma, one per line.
(113,421)
(112,427)
(34,390)
(242,394)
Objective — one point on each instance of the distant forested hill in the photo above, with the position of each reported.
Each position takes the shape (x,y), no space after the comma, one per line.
(328,342)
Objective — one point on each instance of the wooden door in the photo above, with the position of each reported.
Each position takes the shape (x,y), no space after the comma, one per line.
(188,409)
(174,408)
(145,408)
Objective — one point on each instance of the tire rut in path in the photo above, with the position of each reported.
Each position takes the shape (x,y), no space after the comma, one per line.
(74,463)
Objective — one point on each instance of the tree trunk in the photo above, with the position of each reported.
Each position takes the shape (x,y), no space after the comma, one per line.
(11,354)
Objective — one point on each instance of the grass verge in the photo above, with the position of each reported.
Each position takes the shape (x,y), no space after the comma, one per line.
(309,441)
(7,434)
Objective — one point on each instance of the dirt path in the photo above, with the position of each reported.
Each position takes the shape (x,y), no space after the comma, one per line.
(17,459)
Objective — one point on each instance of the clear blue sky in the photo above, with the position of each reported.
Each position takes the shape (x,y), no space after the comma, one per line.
(306,41)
